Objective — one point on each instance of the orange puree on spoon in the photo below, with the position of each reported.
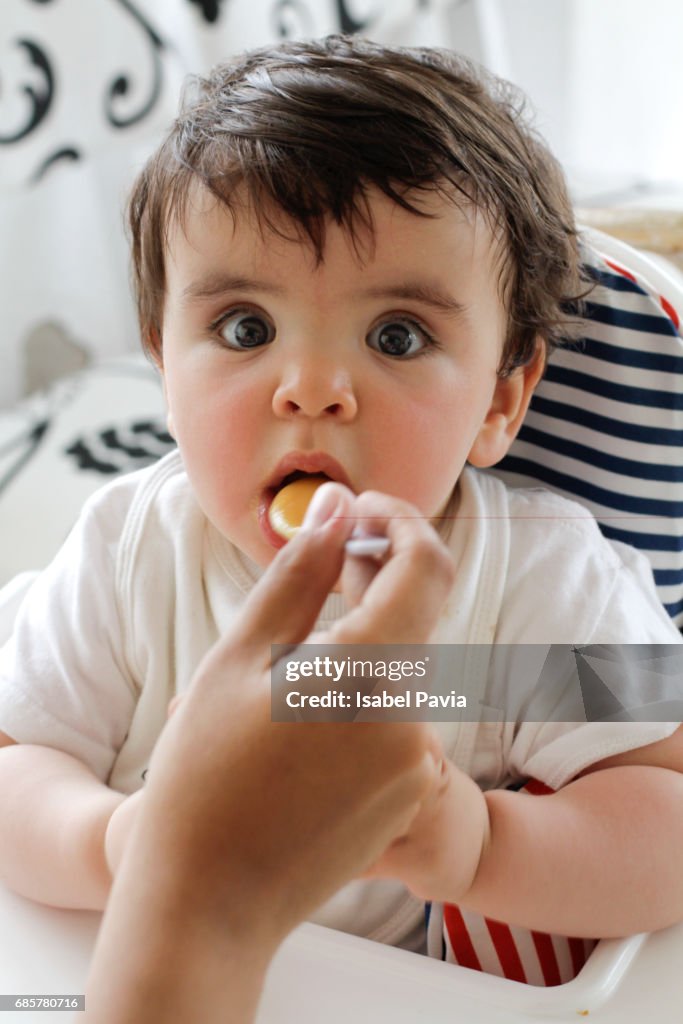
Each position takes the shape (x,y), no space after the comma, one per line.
(288,507)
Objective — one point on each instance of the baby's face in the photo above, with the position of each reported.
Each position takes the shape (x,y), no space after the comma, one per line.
(378,370)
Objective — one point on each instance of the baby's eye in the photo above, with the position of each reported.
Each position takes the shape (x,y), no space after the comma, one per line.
(399,338)
(244,328)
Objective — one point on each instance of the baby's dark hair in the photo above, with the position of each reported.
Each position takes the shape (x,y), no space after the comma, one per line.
(307,127)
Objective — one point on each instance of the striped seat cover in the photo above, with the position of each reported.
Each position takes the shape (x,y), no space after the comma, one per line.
(534,958)
(605,425)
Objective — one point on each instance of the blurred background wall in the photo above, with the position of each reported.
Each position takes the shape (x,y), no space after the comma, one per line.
(88,86)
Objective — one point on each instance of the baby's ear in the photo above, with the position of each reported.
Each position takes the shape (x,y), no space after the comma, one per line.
(508,408)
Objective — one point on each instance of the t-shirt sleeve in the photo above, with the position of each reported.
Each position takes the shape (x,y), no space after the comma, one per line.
(627,611)
(64,678)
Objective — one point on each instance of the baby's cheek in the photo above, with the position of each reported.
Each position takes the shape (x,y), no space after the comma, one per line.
(225,440)
(220,473)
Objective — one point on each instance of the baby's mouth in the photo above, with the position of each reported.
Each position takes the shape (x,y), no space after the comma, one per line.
(298,474)
(286,503)
(311,468)
(281,524)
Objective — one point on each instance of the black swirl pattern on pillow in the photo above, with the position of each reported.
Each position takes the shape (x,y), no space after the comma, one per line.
(36,74)
(121,448)
(210,9)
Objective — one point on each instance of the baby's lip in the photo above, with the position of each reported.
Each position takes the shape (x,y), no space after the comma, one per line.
(295,462)
(305,462)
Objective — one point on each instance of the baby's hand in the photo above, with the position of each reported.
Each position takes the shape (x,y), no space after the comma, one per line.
(411,857)
(438,856)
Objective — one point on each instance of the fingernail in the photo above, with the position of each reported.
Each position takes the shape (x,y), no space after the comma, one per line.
(324,504)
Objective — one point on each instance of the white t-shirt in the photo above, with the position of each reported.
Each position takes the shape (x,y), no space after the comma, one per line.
(143,586)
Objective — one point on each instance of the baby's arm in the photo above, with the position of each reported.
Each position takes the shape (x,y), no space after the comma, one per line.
(54,814)
(600,857)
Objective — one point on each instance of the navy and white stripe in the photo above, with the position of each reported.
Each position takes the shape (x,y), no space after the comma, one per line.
(606,423)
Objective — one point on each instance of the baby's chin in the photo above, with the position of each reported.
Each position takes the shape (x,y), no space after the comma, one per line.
(256,552)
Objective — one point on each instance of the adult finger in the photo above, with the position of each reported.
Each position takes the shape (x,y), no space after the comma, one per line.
(404,597)
(284,605)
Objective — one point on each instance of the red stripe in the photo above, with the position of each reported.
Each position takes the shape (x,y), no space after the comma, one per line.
(459,937)
(503,940)
(578,954)
(536,788)
(546,958)
(666,305)
(620,270)
(506,950)
(670,312)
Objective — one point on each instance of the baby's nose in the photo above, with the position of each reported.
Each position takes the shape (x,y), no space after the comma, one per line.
(315,390)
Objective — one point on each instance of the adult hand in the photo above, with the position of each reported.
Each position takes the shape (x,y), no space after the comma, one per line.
(250,824)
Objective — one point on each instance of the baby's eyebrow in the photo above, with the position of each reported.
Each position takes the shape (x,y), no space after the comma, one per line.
(219,283)
(429,294)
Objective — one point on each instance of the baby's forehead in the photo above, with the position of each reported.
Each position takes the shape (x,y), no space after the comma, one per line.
(382,227)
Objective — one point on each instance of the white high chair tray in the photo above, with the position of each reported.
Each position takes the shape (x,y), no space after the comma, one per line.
(321,975)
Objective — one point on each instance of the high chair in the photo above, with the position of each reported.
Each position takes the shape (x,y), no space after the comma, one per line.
(605,427)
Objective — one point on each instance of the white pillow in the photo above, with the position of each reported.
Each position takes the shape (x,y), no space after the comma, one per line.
(58,447)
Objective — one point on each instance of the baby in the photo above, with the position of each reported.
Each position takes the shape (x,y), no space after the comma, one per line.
(350,261)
